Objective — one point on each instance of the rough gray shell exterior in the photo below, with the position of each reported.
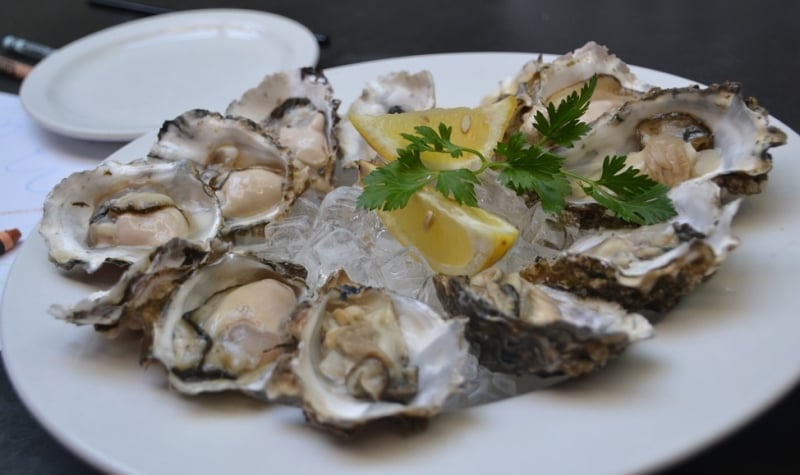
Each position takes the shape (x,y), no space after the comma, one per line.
(554,333)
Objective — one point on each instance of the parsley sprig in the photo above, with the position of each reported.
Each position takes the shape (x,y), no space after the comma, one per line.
(628,193)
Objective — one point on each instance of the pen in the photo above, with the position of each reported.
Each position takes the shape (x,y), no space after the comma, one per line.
(25,47)
(136,7)
(14,68)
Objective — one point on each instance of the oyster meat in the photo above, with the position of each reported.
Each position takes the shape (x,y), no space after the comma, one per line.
(367,353)
(119,212)
(681,134)
(298,108)
(539,84)
(251,174)
(222,327)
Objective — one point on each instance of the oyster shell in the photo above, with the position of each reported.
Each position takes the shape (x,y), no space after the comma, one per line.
(616,84)
(135,301)
(397,92)
(222,327)
(366,354)
(539,84)
(650,267)
(251,174)
(298,108)
(681,134)
(213,318)
(520,327)
(119,212)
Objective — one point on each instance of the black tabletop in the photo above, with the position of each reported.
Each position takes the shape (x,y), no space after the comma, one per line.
(754,43)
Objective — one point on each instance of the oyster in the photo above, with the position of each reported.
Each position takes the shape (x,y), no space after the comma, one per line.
(539,84)
(298,108)
(681,134)
(650,267)
(520,327)
(119,212)
(222,327)
(134,302)
(393,93)
(615,82)
(213,318)
(251,174)
(366,354)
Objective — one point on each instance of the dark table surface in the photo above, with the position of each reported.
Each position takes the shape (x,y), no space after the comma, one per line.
(755,43)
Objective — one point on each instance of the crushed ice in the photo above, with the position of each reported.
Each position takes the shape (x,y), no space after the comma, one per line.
(326,233)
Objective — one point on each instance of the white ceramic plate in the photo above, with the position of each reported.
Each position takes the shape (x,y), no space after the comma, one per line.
(123,81)
(722,356)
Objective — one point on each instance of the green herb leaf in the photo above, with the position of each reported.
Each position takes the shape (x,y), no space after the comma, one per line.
(427,140)
(562,124)
(534,169)
(460,184)
(630,194)
(390,186)
(628,183)
(512,147)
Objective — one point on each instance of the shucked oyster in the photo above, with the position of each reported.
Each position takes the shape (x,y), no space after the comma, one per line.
(519,327)
(615,82)
(366,354)
(650,267)
(539,84)
(222,328)
(135,301)
(119,212)
(212,318)
(298,108)
(251,174)
(676,135)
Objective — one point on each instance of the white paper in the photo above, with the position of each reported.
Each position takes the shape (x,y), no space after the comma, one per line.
(32,162)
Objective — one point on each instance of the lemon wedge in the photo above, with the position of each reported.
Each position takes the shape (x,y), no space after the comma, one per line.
(454,239)
(477,128)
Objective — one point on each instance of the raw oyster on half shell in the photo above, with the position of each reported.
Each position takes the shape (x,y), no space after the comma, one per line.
(298,108)
(252,175)
(516,326)
(674,136)
(681,134)
(649,267)
(222,328)
(119,212)
(538,84)
(214,319)
(366,354)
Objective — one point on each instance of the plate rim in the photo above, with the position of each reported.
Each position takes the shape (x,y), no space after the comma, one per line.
(39,79)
